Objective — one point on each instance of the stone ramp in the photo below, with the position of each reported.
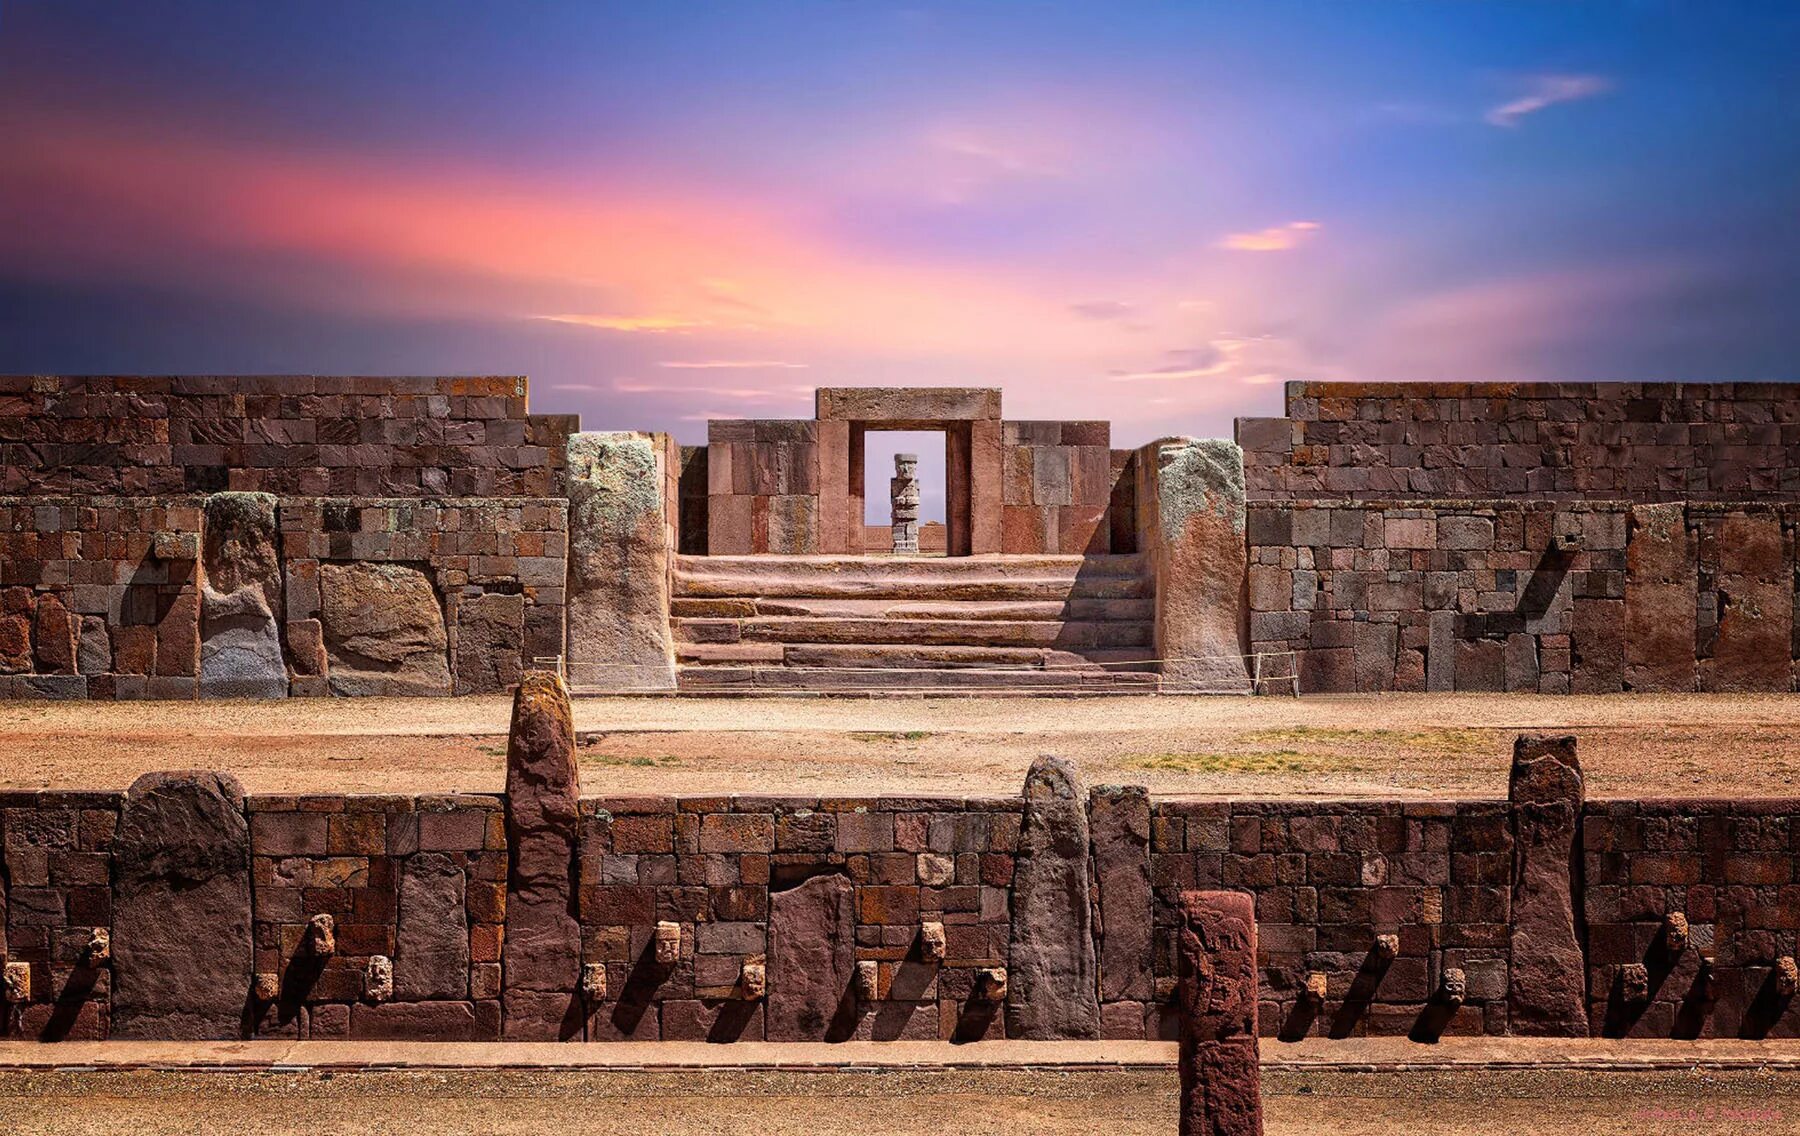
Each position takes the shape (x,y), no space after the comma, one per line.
(870,624)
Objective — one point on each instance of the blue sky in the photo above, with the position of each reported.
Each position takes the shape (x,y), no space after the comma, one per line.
(1152,213)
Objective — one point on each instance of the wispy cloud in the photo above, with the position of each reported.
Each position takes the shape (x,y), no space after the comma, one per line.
(1102,309)
(1543,91)
(1276,238)
(1187,363)
(653,325)
(731,365)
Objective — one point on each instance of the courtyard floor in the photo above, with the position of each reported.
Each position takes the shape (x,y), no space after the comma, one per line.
(1346,746)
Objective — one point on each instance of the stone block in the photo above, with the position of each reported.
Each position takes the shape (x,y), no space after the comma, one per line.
(1051,966)
(541,962)
(1119,826)
(384,630)
(490,643)
(619,548)
(1547,992)
(1216,945)
(811,961)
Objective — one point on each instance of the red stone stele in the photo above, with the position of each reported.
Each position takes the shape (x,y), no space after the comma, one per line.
(1221,1087)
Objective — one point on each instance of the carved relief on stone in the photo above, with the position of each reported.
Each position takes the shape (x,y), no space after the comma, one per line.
(903,495)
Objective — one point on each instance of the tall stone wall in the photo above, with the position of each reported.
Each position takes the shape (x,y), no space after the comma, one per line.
(302,435)
(783,918)
(1058,488)
(1522,596)
(1563,441)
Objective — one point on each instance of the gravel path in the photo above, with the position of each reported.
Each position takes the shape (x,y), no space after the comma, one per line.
(1339,746)
(891,1103)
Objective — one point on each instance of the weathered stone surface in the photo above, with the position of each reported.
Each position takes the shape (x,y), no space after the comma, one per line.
(490,643)
(241,599)
(432,960)
(1119,822)
(384,630)
(619,548)
(94,654)
(55,634)
(1050,963)
(414,1021)
(1191,501)
(812,961)
(1547,994)
(1755,585)
(1660,583)
(541,960)
(1221,1087)
(15,643)
(181,937)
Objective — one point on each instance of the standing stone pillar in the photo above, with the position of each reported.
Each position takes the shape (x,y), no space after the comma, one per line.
(181,948)
(541,959)
(1547,994)
(618,635)
(1221,1086)
(903,494)
(1119,817)
(1052,988)
(1661,582)
(1191,517)
(240,599)
(812,957)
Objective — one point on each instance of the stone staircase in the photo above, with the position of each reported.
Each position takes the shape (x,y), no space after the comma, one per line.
(897,624)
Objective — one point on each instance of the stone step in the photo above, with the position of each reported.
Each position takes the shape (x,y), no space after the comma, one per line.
(903,656)
(1078,609)
(754,679)
(973,632)
(1016,578)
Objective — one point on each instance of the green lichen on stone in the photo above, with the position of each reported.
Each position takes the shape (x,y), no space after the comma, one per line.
(235,509)
(618,474)
(1205,474)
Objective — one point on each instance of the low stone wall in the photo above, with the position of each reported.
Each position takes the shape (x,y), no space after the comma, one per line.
(1057,913)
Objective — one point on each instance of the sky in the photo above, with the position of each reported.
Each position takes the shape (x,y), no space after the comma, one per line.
(664,213)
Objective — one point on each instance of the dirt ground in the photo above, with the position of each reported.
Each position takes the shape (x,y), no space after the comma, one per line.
(888,1103)
(1339,746)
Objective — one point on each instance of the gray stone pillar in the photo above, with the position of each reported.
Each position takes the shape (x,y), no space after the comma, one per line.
(903,496)
(240,599)
(1221,1086)
(1052,987)
(1191,518)
(620,545)
(182,957)
(541,959)
(1547,992)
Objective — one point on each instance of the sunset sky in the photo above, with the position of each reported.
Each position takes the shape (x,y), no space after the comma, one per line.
(667,212)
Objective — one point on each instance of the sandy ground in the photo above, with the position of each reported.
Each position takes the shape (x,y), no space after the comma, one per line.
(889,1103)
(1337,746)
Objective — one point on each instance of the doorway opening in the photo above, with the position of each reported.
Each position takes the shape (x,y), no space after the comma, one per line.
(929,449)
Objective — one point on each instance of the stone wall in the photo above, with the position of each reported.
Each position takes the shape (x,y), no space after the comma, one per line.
(789,918)
(1542,597)
(1058,488)
(291,434)
(251,595)
(1564,441)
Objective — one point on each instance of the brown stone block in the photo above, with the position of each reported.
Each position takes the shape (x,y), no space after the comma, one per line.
(1660,594)
(55,632)
(178,638)
(730,525)
(1028,530)
(15,644)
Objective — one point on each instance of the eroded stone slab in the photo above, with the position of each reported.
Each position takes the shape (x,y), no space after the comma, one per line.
(1660,592)
(1221,1087)
(490,643)
(812,960)
(240,599)
(1119,822)
(1195,489)
(619,548)
(432,961)
(1052,988)
(384,630)
(1547,992)
(181,935)
(541,959)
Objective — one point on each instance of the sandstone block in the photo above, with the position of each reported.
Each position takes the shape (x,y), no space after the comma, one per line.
(1547,992)
(1221,1088)
(1119,825)
(490,643)
(811,961)
(384,630)
(181,879)
(1051,966)
(432,936)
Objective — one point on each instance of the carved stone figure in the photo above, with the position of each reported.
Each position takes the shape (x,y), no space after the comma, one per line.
(903,494)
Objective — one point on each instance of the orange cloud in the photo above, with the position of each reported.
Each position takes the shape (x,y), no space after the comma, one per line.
(1277,238)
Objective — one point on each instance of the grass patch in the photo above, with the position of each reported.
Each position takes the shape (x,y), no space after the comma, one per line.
(641,761)
(889,735)
(1266,761)
(1453,739)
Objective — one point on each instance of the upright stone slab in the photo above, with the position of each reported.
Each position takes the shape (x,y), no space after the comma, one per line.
(1221,1086)
(432,936)
(1119,820)
(812,959)
(619,564)
(181,940)
(1755,586)
(1547,995)
(1191,517)
(541,959)
(1052,992)
(240,599)
(1660,593)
